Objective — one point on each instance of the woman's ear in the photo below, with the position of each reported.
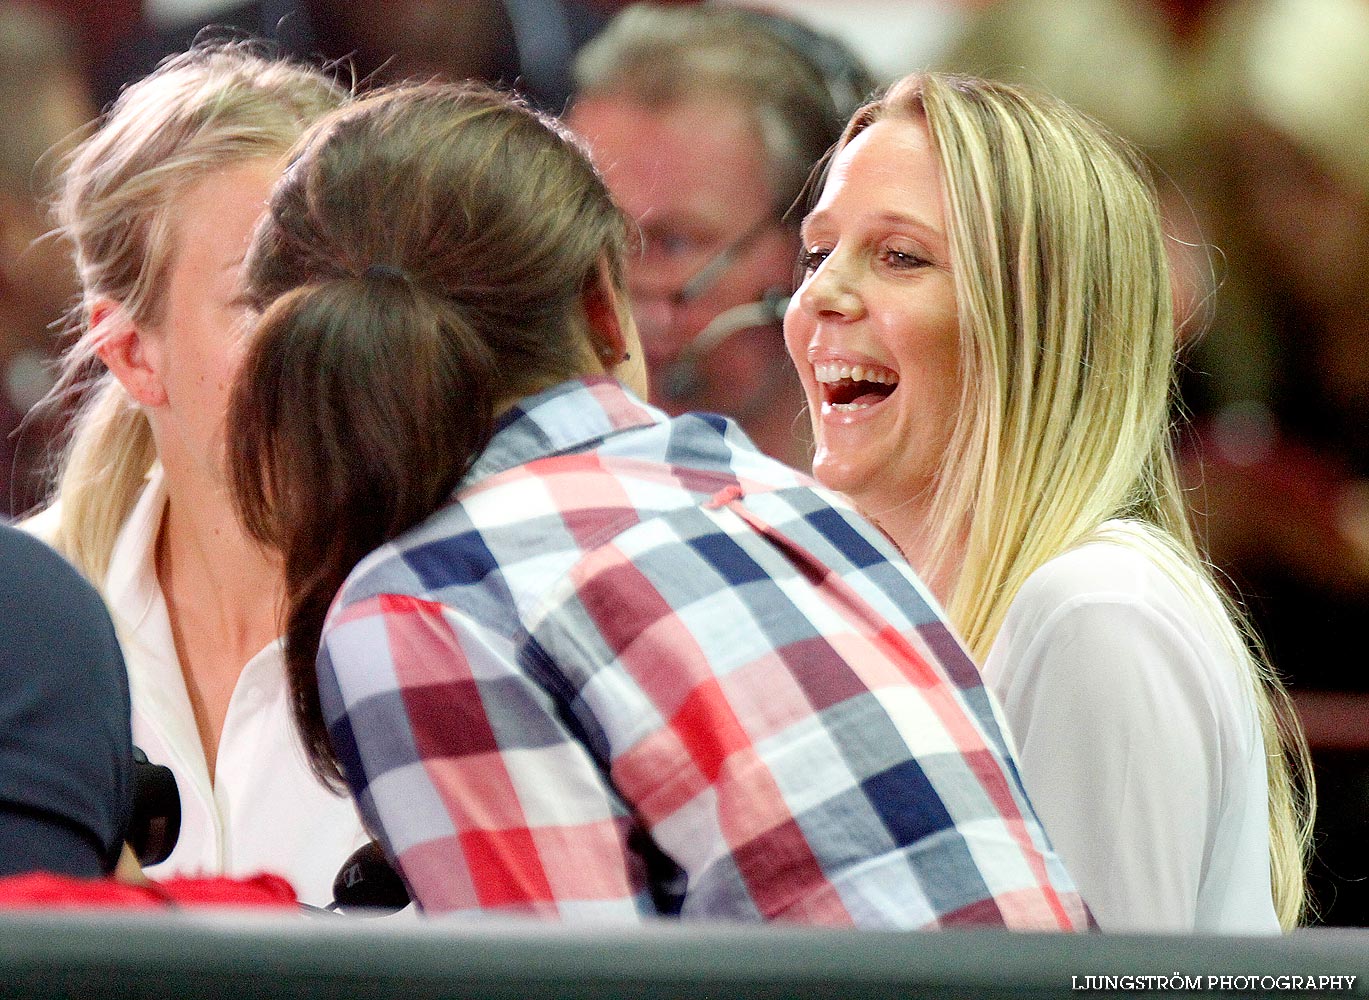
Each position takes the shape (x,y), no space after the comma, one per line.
(128,352)
(607,317)
(612,333)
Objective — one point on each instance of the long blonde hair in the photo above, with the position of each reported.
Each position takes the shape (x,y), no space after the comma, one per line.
(1067,348)
(199,111)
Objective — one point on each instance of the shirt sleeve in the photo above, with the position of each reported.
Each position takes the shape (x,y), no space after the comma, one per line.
(465,770)
(65,744)
(1119,752)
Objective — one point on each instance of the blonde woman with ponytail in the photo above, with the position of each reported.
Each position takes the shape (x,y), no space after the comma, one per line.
(159,202)
(984,332)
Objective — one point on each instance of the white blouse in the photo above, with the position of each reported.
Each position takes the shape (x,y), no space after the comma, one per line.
(1138,738)
(264,811)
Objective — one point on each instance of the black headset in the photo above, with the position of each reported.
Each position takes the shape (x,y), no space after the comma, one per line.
(849,84)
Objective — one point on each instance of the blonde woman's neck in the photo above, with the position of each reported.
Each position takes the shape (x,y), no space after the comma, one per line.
(222,594)
(909,526)
(204,554)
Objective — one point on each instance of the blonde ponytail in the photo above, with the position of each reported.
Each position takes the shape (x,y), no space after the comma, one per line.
(106,465)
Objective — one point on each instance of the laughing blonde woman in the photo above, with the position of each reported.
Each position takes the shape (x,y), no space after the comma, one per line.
(984,332)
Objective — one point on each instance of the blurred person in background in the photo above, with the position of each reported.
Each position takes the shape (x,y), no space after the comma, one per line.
(706,122)
(892,37)
(527,44)
(1280,475)
(520,44)
(43,102)
(159,203)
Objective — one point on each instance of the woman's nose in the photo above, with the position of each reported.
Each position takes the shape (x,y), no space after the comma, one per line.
(831,291)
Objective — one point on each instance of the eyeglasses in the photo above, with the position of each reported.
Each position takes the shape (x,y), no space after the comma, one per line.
(711,273)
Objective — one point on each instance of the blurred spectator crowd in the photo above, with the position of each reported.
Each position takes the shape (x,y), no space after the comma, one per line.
(1253,113)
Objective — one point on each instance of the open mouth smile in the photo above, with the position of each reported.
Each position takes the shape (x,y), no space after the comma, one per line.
(848,388)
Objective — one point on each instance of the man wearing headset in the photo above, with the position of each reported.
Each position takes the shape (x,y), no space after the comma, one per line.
(706,122)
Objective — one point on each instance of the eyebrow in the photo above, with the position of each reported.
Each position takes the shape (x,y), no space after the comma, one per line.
(927,233)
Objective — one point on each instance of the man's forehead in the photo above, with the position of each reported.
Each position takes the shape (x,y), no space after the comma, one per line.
(699,157)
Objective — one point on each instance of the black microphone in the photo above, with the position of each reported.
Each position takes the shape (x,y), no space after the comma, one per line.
(682,375)
(156,820)
(367,882)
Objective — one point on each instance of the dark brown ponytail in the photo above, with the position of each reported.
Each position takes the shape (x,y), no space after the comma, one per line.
(422,264)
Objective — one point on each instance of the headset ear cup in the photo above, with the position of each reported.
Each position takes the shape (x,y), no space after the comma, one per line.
(848,82)
(828,83)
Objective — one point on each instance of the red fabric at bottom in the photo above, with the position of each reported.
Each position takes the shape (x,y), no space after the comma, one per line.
(43,891)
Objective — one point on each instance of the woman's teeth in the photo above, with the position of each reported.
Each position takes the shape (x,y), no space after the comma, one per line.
(853,387)
(828,373)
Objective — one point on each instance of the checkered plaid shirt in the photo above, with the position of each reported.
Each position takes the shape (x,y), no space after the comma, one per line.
(637,668)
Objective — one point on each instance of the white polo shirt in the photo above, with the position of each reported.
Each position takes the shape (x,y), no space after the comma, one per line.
(264,811)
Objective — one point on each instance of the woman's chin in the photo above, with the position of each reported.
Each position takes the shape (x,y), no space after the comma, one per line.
(841,471)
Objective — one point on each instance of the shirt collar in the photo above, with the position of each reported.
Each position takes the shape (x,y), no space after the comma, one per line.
(573,416)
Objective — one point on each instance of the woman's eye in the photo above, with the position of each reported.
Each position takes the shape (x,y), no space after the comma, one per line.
(905,259)
(810,259)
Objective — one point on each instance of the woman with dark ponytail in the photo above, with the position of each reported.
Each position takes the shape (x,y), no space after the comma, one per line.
(575,658)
